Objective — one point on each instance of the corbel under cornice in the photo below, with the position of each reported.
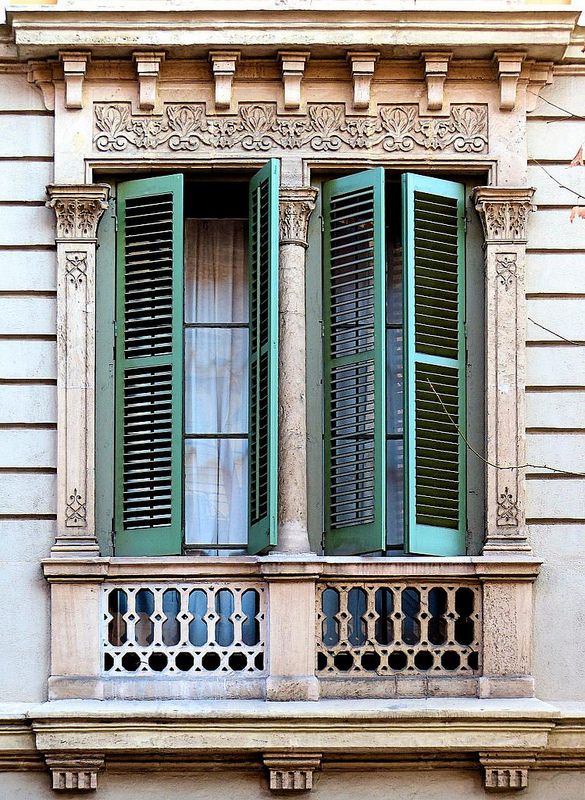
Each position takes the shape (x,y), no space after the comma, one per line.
(74,69)
(148,69)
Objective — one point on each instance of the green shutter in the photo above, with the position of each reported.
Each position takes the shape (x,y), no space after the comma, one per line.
(149,367)
(434,286)
(354,364)
(263,358)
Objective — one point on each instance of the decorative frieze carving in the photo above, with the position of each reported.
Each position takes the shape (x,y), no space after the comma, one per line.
(296,205)
(74,774)
(506,264)
(291,772)
(258,127)
(507,509)
(76,267)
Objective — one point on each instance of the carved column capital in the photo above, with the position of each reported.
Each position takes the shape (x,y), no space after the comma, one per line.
(296,205)
(504,212)
(78,209)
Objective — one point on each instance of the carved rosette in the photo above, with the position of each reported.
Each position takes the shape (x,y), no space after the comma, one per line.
(78,210)
(296,205)
(504,215)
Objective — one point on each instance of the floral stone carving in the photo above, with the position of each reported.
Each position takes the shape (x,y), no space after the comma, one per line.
(258,127)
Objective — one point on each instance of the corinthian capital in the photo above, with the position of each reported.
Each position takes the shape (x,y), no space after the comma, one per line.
(504,212)
(78,209)
(296,205)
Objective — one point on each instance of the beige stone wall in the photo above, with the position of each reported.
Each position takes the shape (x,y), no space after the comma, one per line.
(555,285)
(27,386)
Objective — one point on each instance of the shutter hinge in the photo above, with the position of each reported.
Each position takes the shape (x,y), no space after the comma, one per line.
(115,215)
(323,541)
(465,220)
(322,224)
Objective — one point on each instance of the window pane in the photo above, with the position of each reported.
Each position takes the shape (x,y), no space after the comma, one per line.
(394,492)
(394,285)
(216,287)
(394,382)
(216,491)
(216,380)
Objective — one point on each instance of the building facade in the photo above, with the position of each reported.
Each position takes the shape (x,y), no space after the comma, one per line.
(291,379)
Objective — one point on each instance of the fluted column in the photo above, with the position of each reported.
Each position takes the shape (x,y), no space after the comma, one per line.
(78,210)
(504,213)
(296,205)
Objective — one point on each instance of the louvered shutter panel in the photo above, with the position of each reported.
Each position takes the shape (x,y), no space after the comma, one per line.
(433,219)
(354,363)
(263,358)
(149,367)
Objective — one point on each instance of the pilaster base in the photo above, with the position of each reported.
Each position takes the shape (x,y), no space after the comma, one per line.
(292,687)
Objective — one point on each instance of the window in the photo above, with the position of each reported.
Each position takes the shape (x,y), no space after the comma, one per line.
(394,365)
(196,354)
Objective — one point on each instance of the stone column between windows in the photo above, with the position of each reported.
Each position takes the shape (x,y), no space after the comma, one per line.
(296,205)
(78,210)
(504,214)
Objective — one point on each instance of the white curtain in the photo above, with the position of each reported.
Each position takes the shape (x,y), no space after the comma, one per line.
(216,382)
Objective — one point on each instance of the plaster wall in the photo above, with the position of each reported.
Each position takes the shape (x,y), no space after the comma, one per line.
(27,387)
(555,285)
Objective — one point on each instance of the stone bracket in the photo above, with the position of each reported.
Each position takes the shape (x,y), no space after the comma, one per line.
(40,74)
(291,772)
(504,772)
(362,70)
(74,69)
(509,68)
(436,67)
(148,70)
(293,67)
(223,66)
(74,774)
(541,75)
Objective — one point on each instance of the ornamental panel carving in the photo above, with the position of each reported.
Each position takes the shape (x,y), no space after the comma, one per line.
(259,127)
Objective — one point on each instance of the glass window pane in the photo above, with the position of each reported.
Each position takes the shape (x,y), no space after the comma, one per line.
(394,382)
(394,492)
(216,286)
(394,285)
(216,491)
(216,380)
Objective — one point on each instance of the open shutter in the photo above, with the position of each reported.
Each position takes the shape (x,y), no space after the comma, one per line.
(433,218)
(149,367)
(263,403)
(354,364)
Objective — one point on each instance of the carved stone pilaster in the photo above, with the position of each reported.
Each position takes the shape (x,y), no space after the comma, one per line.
(290,772)
(504,214)
(78,210)
(74,774)
(296,205)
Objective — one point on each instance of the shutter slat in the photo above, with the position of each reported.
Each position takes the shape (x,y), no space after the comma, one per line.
(354,363)
(435,365)
(149,366)
(263,358)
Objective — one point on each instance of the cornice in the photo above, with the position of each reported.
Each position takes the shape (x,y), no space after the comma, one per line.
(326,28)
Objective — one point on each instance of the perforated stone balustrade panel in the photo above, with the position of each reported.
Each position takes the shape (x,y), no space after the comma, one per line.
(398,628)
(184,629)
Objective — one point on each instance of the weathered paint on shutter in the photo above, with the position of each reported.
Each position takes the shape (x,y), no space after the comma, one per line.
(149,367)
(263,247)
(433,236)
(354,364)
